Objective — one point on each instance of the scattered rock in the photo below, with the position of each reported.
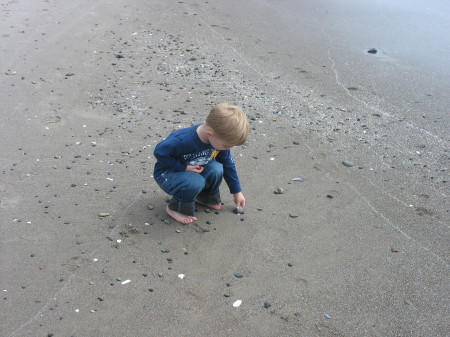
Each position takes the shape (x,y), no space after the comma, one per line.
(238,275)
(347,163)
(267,304)
(293,215)
(279,190)
(237,303)
(372,51)
(239,210)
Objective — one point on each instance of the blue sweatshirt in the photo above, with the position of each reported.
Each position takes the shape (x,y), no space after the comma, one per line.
(184,147)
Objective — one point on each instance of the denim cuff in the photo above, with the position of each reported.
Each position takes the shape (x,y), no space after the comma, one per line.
(186,208)
(209,199)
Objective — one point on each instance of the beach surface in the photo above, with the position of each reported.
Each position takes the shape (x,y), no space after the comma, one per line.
(345,171)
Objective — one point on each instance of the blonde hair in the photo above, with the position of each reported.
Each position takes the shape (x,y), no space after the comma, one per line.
(229,123)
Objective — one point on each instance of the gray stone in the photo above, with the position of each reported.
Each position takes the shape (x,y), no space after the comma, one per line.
(348,163)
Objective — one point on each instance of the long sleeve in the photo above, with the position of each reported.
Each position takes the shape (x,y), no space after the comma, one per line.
(167,153)
(229,171)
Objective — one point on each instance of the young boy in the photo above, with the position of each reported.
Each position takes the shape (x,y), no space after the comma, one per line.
(191,162)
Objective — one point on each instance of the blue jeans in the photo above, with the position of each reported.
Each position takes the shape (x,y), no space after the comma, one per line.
(187,187)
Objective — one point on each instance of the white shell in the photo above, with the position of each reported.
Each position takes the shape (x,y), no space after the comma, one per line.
(126,281)
(181,276)
(237,303)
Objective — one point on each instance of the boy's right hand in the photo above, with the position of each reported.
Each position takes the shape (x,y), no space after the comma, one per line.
(194,168)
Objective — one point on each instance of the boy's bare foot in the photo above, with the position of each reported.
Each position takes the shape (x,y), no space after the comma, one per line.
(181,218)
(217,207)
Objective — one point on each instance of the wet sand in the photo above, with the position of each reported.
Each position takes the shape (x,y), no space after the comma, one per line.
(89,88)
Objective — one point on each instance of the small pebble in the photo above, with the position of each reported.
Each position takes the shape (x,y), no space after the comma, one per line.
(330,196)
(327,316)
(267,304)
(347,163)
(292,215)
(290,264)
(239,210)
(238,275)
(237,303)
(279,190)
(297,314)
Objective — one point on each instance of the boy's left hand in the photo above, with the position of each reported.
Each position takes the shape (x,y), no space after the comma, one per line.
(239,200)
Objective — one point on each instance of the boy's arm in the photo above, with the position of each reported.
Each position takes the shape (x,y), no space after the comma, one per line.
(229,171)
(166,152)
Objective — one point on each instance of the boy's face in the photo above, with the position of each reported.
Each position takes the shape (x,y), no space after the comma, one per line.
(218,144)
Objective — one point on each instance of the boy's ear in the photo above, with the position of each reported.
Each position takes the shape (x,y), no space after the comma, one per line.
(209,132)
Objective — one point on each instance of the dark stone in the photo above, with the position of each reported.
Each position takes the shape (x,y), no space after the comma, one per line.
(238,211)
(267,304)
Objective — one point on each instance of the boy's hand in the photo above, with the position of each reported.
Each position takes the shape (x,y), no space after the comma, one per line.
(239,200)
(194,168)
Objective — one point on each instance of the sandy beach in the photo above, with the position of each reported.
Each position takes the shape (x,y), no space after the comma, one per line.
(356,243)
